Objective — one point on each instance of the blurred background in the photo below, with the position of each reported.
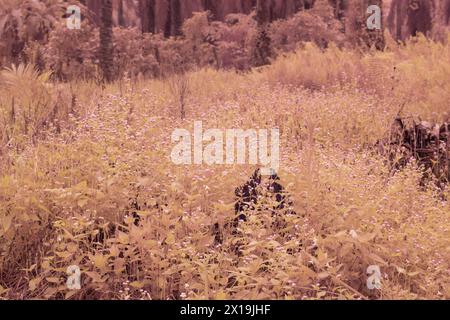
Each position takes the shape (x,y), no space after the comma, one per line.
(155,37)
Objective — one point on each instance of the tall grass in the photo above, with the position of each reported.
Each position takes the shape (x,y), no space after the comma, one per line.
(61,194)
(415,74)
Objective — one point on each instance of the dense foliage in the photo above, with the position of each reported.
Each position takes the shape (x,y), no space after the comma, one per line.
(79,162)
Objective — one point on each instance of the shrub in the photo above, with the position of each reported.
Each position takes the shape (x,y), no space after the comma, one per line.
(28,106)
(236,39)
(134,53)
(317,25)
(72,54)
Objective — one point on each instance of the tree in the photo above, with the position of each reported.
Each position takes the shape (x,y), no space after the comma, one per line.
(168,25)
(174,20)
(262,49)
(147,9)
(106,41)
(211,6)
(408,18)
(354,15)
(120,14)
(262,13)
(176,17)
(23,22)
(339,6)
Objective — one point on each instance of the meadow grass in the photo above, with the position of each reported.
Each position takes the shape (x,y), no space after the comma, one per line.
(64,178)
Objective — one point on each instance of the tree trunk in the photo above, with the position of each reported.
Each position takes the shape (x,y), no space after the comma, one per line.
(262,13)
(106,41)
(211,6)
(398,15)
(262,51)
(151,16)
(120,14)
(176,17)
(173,22)
(340,7)
(147,15)
(284,10)
(168,25)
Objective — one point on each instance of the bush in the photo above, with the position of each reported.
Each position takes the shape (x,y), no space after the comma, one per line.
(317,25)
(28,106)
(72,54)
(236,39)
(134,53)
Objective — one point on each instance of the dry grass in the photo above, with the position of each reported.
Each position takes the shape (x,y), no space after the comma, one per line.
(57,195)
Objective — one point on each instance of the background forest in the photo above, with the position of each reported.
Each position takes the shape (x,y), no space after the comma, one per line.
(155,37)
